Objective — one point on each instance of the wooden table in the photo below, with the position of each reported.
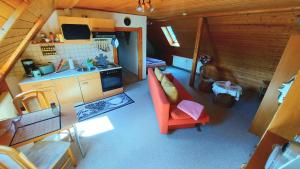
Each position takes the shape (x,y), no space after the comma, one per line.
(68,120)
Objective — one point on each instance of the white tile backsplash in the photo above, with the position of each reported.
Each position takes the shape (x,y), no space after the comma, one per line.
(78,52)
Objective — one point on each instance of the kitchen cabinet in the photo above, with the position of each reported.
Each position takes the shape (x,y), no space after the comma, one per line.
(102,25)
(90,85)
(75,89)
(68,90)
(47,86)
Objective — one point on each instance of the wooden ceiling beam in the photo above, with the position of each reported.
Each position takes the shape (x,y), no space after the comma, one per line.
(290,9)
(15,55)
(12,19)
(196,49)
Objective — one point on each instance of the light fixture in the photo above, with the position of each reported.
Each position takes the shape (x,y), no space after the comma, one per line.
(142,6)
(139,7)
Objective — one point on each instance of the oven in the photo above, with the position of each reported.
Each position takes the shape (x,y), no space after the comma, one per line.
(111,79)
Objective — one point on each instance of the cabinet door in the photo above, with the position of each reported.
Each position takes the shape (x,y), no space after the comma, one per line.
(104,25)
(91,90)
(68,91)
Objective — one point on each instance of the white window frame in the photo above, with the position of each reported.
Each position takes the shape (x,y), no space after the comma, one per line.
(170,35)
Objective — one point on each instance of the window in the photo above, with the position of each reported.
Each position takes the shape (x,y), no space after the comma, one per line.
(170,35)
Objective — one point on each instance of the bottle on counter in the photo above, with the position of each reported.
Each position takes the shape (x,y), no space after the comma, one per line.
(71,64)
(55,109)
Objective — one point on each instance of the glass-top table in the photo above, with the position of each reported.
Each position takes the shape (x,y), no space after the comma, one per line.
(35,124)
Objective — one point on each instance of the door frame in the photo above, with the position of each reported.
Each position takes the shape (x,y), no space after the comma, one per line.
(139,31)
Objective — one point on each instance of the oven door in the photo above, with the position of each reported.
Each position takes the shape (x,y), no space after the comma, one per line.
(111,79)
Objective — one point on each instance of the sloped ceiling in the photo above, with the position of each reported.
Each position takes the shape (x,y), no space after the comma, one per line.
(246,48)
(173,8)
(15,38)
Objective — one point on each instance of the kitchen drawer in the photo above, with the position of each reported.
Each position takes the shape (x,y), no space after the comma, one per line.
(88,76)
(36,85)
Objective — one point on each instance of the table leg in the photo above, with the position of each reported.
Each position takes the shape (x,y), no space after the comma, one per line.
(78,140)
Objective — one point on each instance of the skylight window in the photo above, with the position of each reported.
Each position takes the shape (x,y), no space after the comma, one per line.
(170,35)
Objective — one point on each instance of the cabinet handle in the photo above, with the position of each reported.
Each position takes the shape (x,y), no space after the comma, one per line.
(84,82)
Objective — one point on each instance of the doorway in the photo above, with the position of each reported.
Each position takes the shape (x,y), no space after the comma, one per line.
(130,53)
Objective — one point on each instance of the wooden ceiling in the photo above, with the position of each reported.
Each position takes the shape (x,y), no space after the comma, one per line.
(172,8)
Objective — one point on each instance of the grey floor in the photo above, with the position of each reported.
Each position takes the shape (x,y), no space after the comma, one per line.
(129,138)
(129,77)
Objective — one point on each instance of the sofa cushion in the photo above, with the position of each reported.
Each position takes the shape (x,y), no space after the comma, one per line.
(169,89)
(159,75)
(191,108)
(177,114)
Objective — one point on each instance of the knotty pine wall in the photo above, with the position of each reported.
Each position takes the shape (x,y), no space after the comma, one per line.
(22,26)
(246,48)
(185,30)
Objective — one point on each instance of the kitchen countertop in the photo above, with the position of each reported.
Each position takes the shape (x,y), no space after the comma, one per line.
(63,74)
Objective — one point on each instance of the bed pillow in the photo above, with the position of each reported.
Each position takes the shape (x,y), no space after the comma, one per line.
(169,89)
(191,108)
(159,75)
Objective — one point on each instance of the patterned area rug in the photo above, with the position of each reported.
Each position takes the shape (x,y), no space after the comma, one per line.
(89,110)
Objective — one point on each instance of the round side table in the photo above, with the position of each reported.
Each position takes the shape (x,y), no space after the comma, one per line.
(226,95)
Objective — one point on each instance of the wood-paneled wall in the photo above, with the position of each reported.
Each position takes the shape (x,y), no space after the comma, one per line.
(185,30)
(7,7)
(22,26)
(247,47)
(250,46)
(288,66)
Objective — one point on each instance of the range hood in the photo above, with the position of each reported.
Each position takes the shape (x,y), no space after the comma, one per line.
(103,34)
(76,31)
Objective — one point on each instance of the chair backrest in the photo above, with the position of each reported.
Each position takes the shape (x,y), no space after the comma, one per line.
(32,100)
(11,158)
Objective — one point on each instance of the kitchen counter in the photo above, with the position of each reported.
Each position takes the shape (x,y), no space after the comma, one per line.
(63,74)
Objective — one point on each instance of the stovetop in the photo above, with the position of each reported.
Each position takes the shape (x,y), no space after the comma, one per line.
(108,66)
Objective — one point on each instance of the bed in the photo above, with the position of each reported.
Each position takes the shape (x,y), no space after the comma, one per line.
(152,63)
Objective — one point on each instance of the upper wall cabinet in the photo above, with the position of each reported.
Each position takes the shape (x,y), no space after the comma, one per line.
(73,28)
(102,25)
(72,20)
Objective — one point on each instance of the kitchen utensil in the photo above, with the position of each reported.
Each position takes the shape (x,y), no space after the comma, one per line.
(89,64)
(71,64)
(28,65)
(36,73)
(46,68)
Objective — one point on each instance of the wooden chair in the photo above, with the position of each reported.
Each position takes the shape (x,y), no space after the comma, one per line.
(42,155)
(32,100)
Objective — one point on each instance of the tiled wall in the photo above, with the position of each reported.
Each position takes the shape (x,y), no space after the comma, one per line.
(78,52)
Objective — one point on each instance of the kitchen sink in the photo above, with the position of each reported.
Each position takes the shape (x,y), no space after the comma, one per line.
(84,69)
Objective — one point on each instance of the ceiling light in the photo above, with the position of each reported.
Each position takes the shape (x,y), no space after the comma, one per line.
(144,6)
(184,13)
(151,8)
(139,7)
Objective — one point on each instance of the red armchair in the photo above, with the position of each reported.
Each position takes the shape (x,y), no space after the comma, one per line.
(168,116)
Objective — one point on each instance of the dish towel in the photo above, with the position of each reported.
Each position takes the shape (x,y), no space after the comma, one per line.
(191,108)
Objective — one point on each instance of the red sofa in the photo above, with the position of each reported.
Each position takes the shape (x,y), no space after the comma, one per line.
(168,116)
